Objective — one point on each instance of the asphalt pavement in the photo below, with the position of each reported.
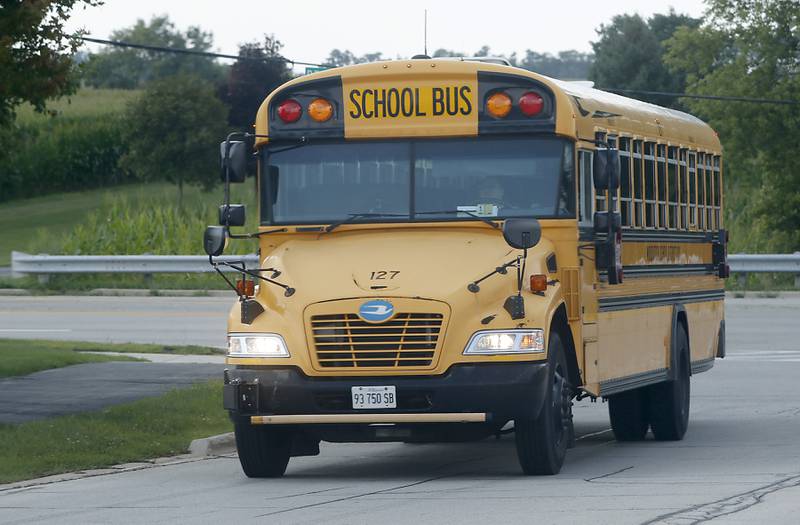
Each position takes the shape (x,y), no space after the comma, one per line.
(93,386)
(739,463)
(165,320)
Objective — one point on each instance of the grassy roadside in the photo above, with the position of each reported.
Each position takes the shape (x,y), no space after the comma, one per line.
(19,358)
(149,428)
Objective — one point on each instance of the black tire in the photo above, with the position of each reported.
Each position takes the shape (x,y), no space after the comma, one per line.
(668,402)
(263,451)
(542,441)
(628,414)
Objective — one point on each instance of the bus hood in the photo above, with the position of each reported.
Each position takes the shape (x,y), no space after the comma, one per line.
(426,263)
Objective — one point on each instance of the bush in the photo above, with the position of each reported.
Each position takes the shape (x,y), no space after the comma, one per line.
(61,154)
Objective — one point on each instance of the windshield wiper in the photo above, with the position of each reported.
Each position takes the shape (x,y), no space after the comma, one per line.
(471,214)
(355,216)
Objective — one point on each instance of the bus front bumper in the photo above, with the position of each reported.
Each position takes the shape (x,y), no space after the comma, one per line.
(468,393)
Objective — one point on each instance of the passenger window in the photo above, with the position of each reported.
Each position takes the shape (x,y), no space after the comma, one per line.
(661,170)
(638,183)
(692,190)
(625,181)
(649,185)
(672,187)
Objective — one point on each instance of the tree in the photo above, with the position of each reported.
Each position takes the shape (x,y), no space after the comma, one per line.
(750,48)
(338,58)
(259,70)
(629,55)
(570,65)
(174,130)
(128,68)
(35,53)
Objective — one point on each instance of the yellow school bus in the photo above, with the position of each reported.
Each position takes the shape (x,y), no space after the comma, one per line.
(449,249)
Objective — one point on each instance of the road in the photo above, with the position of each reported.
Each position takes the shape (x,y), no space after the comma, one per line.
(165,320)
(739,463)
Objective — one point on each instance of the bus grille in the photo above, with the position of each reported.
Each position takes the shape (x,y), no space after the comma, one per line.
(346,341)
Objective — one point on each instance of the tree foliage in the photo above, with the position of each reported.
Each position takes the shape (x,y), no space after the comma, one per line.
(567,65)
(629,55)
(338,58)
(750,48)
(173,133)
(251,78)
(35,53)
(127,68)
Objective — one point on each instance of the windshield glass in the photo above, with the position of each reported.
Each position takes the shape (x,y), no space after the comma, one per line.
(451,179)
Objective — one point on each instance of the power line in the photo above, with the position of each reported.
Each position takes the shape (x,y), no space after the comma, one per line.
(704,97)
(160,49)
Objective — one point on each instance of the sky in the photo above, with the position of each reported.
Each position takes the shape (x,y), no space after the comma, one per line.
(309,29)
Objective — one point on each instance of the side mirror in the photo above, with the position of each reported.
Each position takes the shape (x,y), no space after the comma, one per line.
(602,219)
(234,159)
(231,215)
(606,169)
(522,233)
(214,240)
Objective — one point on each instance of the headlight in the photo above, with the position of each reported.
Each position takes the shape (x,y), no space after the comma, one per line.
(257,345)
(498,342)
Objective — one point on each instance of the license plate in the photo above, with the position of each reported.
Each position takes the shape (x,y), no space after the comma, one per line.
(366,397)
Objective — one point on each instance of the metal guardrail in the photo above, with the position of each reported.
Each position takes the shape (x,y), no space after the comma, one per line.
(45,265)
(745,263)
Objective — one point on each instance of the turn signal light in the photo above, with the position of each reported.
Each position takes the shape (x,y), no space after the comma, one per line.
(246,288)
(290,111)
(538,283)
(320,110)
(498,105)
(531,104)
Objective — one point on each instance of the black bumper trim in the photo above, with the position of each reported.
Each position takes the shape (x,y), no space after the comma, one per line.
(504,390)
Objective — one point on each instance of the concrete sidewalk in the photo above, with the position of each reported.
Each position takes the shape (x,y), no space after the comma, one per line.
(168,358)
(94,386)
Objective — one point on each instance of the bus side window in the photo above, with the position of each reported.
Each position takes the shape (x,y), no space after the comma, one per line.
(672,186)
(710,225)
(626,204)
(649,185)
(692,190)
(638,184)
(701,191)
(661,170)
(717,193)
(684,193)
(586,188)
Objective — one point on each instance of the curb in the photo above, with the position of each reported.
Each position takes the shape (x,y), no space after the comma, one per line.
(213,445)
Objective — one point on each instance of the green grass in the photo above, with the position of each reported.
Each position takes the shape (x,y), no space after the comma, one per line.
(87,102)
(41,223)
(149,428)
(21,357)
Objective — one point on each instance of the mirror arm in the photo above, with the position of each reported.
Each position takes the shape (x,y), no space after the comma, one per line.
(473,286)
(224,277)
(288,291)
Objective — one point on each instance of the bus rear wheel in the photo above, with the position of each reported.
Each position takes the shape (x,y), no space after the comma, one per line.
(542,441)
(668,402)
(628,414)
(263,451)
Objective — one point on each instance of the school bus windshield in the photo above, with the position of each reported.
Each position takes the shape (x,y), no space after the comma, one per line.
(451,179)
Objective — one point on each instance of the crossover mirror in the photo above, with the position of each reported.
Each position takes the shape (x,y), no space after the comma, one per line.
(605,169)
(522,233)
(214,240)
(231,215)
(233,160)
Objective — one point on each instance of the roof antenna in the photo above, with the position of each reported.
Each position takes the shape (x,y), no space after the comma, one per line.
(425,46)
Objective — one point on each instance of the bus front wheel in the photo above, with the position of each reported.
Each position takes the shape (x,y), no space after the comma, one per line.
(263,451)
(542,441)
